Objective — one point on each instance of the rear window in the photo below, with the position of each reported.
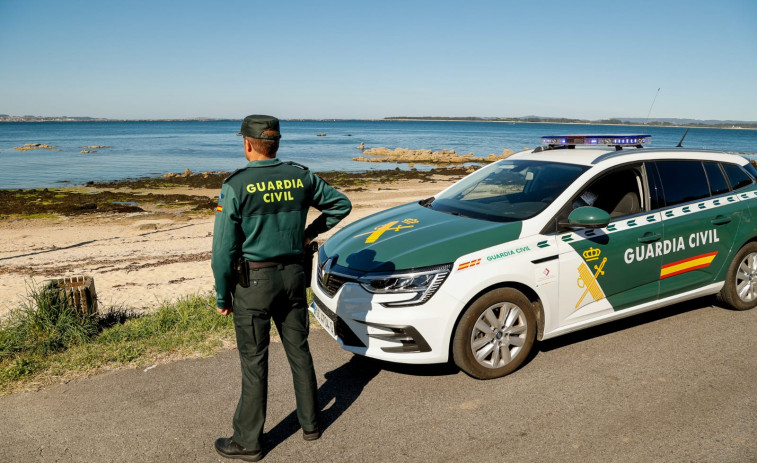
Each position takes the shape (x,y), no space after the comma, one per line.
(682,181)
(737,176)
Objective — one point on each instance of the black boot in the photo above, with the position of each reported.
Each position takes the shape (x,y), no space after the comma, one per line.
(311,435)
(226,447)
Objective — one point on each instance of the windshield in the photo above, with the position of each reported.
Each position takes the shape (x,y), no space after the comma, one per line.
(507,191)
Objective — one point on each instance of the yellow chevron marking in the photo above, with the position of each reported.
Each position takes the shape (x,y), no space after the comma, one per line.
(378,231)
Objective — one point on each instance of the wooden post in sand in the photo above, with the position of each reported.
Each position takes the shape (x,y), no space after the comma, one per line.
(79,291)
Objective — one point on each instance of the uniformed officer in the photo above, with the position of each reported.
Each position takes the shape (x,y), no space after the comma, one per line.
(261,216)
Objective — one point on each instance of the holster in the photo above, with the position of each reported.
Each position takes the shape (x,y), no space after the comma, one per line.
(242,271)
(307,261)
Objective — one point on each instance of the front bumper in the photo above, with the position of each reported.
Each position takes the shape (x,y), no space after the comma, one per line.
(415,334)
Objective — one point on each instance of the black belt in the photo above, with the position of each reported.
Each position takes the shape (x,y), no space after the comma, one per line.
(283,260)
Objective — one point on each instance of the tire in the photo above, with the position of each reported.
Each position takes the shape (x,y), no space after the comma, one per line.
(740,289)
(495,334)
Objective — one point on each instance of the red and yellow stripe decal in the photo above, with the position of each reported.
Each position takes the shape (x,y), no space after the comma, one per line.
(219,208)
(471,263)
(687,265)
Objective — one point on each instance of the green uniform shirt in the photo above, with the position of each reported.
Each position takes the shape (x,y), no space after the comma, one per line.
(261,215)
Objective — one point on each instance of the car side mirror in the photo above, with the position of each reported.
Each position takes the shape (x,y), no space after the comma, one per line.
(588,217)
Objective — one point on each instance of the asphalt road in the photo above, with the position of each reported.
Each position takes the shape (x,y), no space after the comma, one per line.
(678,385)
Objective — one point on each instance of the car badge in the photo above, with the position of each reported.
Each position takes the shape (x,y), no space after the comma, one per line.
(325,271)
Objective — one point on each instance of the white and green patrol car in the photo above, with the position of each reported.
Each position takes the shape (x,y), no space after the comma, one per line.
(578,232)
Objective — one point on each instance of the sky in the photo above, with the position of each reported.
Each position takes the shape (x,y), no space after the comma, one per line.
(358,59)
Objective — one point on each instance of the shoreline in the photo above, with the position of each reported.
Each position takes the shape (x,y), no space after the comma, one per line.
(214,179)
(186,193)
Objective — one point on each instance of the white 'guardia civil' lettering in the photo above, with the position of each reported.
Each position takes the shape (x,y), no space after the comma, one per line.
(661,248)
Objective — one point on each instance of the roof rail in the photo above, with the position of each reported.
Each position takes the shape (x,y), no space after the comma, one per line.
(614,154)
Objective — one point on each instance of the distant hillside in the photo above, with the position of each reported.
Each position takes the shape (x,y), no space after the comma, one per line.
(680,121)
(613,121)
(7,118)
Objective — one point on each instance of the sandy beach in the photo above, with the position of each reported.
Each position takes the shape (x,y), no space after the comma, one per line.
(140,259)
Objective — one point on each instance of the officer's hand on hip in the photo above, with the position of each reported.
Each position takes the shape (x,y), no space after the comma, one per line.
(224,312)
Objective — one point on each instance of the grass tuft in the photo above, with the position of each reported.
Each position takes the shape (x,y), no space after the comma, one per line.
(45,324)
(46,340)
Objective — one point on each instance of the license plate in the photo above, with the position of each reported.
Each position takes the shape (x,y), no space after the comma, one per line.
(324,320)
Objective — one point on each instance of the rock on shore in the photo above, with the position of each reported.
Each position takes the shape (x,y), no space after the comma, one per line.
(426,156)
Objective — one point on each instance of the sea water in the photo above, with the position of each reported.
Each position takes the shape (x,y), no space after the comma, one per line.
(153,148)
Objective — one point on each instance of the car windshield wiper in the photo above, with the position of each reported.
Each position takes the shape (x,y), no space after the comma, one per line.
(427,203)
(455,213)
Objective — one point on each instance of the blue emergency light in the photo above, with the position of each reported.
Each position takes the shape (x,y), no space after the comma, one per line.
(597,140)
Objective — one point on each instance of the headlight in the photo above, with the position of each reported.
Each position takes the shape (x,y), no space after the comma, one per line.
(422,282)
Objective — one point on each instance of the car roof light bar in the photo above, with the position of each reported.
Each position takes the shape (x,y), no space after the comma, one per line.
(596,140)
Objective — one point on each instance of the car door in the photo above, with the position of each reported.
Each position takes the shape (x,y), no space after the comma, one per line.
(700,218)
(599,268)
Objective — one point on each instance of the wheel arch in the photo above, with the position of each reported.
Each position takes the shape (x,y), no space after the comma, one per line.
(735,250)
(525,289)
(737,243)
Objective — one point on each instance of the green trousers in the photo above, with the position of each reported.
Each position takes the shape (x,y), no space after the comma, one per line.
(276,293)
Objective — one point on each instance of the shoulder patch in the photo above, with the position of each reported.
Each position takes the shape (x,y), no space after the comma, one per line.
(233,174)
(292,163)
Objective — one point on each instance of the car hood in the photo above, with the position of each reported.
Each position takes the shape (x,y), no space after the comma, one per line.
(413,236)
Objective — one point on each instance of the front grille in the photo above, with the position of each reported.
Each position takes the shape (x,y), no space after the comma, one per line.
(334,282)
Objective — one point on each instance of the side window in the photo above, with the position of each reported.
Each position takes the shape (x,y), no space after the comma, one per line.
(737,176)
(619,193)
(682,181)
(751,169)
(656,199)
(718,185)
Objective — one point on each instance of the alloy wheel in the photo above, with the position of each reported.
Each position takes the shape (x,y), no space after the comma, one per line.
(746,278)
(498,335)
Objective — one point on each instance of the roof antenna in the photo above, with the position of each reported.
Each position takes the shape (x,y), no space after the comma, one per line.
(652,105)
(680,143)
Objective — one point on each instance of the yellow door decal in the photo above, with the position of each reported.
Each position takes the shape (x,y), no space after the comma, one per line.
(589,281)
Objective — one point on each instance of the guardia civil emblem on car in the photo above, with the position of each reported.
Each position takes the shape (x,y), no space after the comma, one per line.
(578,232)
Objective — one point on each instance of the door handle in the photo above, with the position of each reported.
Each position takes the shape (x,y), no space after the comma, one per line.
(720,220)
(650,237)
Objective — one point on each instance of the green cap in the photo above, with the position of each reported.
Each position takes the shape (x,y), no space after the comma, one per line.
(259,126)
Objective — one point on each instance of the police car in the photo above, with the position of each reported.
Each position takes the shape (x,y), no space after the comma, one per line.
(578,232)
